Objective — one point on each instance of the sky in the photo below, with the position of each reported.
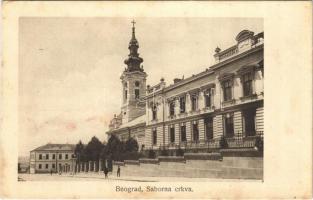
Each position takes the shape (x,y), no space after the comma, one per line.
(70,68)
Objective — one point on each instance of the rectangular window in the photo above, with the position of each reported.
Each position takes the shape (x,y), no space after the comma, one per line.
(249,121)
(172,134)
(172,108)
(53,156)
(47,166)
(227,90)
(195,132)
(154,112)
(60,156)
(183,133)
(229,125)
(207,98)
(154,137)
(136,93)
(194,102)
(66,156)
(47,156)
(182,102)
(53,166)
(40,157)
(125,94)
(247,84)
(209,128)
(39,166)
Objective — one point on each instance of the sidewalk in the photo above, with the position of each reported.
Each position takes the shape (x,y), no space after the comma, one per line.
(93,176)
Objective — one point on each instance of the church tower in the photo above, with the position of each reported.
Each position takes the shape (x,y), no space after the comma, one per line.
(133,82)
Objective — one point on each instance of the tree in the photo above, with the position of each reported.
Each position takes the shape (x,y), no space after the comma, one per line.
(114,148)
(104,152)
(131,145)
(79,151)
(93,149)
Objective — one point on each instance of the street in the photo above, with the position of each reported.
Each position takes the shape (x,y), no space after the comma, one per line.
(113,178)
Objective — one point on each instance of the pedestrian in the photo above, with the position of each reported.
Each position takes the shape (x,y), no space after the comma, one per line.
(51,172)
(106,172)
(118,173)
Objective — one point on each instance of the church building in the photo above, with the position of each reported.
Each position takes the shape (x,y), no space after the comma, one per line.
(213,109)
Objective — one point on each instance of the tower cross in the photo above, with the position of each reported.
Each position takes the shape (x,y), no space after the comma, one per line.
(133,22)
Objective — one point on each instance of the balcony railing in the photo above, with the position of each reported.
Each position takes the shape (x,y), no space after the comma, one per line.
(229,52)
(241,140)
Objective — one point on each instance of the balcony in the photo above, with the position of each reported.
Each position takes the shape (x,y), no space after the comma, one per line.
(249,97)
(229,102)
(209,109)
(182,114)
(172,116)
(196,111)
(228,53)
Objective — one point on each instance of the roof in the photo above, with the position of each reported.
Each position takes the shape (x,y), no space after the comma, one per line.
(56,147)
(135,122)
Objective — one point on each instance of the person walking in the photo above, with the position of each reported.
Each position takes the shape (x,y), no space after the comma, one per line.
(118,173)
(106,172)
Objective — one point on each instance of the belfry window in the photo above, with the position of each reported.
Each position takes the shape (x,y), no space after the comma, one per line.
(125,91)
(136,93)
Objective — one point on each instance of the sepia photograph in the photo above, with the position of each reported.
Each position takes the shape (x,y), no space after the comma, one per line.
(156,100)
(140,99)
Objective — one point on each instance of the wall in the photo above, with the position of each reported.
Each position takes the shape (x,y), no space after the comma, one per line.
(228,168)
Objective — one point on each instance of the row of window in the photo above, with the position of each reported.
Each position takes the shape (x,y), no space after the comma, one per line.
(182,104)
(46,166)
(54,156)
(40,166)
(248,122)
(208,125)
(247,84)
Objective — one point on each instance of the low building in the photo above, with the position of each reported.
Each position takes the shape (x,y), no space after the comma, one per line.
(222,103)
(52,158)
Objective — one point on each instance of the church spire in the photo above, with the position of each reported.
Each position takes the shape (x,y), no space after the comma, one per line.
(133,61)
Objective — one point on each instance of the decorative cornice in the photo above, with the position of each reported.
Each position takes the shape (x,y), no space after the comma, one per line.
(226,76)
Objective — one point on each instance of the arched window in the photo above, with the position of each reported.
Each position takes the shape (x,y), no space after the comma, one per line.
(137,83)
(137,94)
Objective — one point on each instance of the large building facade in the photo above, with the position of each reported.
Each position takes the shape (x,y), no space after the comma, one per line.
(52,158)
(222,103)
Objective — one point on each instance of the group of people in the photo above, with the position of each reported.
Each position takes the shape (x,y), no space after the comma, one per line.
(106,171)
